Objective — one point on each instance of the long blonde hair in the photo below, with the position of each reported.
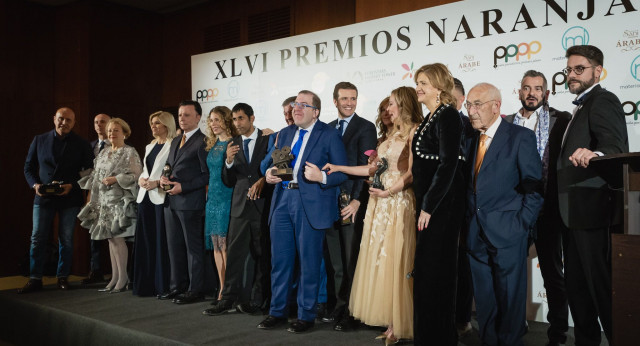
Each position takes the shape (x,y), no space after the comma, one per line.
(167,120)
(410,110)
(227,120)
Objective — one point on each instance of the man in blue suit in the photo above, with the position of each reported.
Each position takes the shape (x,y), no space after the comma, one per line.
(302,210)
(59,155)
(504,198)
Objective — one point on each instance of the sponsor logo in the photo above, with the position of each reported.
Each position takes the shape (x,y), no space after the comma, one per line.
(469,63)
(409,70)
(631,108)
(516,51)
(233,89)
(630,41)
(575,36)
(635,68)
(206,95)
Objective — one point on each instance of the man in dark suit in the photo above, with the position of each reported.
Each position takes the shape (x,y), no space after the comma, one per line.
(100,125)
(302,210)
(242,172)
(585,200)
(358,135)
(549,125)
(184,207)
(55,156)
(504,198)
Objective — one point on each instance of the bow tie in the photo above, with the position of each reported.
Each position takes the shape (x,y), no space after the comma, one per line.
(578,102)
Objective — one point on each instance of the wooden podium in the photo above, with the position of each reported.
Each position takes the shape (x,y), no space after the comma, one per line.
(622,172)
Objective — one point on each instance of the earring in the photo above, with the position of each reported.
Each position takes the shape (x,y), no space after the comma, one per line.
(438,99)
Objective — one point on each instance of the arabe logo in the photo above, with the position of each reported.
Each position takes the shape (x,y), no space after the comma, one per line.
(469,63)
(409,70)
(206,95)
(516,51)
(630,41)
(634,68)
(575,36)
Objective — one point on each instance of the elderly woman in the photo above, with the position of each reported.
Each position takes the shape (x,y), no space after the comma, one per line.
(111,210)
(150,254)
(439,187)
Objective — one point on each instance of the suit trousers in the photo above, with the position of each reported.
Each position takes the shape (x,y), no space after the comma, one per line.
(185,241)
(587,263)
(244,239)
(341,256)
(500,287)
(291,235)
(549,249)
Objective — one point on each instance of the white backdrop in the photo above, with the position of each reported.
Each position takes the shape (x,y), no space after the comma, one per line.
(480,41)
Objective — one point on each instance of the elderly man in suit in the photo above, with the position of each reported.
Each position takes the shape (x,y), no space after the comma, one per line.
(358,135)
(184,211)
(586,202)
(302,210)
(242,172)
(100,126)
(55,156)
(549,125)
(504,198)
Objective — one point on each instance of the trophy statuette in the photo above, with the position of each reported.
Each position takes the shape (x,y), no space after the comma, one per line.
(282,162)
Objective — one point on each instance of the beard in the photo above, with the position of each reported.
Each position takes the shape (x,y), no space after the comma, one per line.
(582,86)
(531,108)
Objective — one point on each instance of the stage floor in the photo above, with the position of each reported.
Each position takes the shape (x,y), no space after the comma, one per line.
(83,316)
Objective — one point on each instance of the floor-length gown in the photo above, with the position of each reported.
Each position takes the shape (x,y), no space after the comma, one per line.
(382,293)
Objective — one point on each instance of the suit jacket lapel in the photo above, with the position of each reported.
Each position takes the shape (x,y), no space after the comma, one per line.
(315,135)
(351,129)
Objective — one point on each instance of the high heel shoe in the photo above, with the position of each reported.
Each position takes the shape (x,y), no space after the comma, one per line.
(106,289)
(118,290)
(391,340)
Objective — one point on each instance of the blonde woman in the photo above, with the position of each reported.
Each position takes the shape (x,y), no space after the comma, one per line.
(150,254)
(111,211)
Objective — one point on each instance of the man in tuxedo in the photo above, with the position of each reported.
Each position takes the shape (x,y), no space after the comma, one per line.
(302,210)
(549,125)
(586,202)
(100,126)
(184,207)
(242,172)
(55,156)
(358,135)
(503,201)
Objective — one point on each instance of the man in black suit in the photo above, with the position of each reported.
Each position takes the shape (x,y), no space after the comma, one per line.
(585,200)
(358,135)
(184,207)
(549,125)
(55,156)
(242,172)
(100,125)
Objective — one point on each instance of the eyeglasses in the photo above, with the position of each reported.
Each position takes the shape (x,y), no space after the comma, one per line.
(301,105)
(475,105)
(578,69)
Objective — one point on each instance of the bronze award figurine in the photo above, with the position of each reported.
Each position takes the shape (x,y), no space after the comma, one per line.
(383,164)
(282,162)
(51,189)
(343,202)
(166,172)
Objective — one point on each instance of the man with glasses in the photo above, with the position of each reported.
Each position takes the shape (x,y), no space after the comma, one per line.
(302,210)
(587,204)
(549,125)
(504,198)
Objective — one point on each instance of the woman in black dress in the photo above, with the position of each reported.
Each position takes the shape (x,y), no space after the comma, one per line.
(439,188)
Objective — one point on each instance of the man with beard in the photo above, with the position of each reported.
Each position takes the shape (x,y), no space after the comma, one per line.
(586,202)
(549,125)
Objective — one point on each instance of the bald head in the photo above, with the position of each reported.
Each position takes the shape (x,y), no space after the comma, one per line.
(100,125)
(64,120)
(483,105)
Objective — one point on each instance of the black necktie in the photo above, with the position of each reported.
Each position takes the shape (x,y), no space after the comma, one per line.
(341,126)
(246,149)
(101,146)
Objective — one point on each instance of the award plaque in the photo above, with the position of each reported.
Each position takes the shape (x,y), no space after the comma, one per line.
(343,202)
(282,162)
(51,189)
(166,172)
(382,166)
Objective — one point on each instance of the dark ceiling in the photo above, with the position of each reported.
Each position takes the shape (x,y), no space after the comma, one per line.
(158,6)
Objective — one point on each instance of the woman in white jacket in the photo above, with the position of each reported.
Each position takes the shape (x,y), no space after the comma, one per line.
(150,255)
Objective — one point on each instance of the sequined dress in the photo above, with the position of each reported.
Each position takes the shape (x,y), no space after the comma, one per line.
(218,199)
(381,293)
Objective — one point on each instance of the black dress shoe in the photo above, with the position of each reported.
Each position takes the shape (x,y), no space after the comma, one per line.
(271,322)
(219,309)
(321,311)
(63,284)
(169,295)
(335,316)
(344,324)
(32,285)
(189,297)
(95,277)
(248,308)
(299,326)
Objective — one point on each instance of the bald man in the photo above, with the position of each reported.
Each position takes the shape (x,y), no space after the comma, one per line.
(504,197)
(55,157)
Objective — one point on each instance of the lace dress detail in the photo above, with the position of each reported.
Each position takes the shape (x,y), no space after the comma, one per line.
(218,200)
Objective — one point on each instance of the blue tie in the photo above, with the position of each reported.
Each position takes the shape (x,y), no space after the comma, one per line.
(341,126)
(295,151)
(246,149)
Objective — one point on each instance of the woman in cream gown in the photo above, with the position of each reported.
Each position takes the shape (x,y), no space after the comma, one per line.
(382,292)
